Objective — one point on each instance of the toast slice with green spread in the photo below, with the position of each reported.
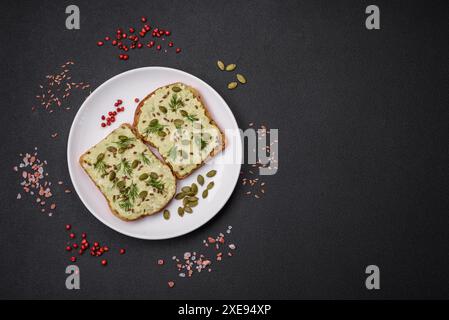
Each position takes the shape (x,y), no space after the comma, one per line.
(133,180)
(174,120)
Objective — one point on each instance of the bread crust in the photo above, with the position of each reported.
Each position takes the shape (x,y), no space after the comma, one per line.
(196,94)
(115,212)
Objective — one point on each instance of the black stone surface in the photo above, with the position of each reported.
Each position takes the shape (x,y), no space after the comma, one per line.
(363,120)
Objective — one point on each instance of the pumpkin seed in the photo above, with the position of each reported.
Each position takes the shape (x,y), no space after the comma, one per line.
(143,176)
(121,184)
(232,85)
(231,67)
(178,123)
(154,175)
(166,214)
(121,150)
(241,78)
(135,164)
(194,188)
(188,209)
(181,211)
(143,195)
(111,175)
(185,201)
(180,196)
(185,189)
(211,173)
(112,149)
(183,113)
(163,109)
(161,134)
(210,185)
(220,65)
(193,203)
(154,122)
(123,138)
(200,180)
(192,199)
(100,157)
(176,89)
(205,194)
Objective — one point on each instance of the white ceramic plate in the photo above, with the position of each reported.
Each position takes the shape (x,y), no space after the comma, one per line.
(86,132)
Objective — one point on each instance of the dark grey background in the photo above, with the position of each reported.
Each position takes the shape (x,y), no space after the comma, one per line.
(363,119)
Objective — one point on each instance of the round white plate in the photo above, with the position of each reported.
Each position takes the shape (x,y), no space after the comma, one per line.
(86,132)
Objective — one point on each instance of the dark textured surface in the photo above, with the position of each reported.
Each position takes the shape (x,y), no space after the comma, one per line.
(363,119)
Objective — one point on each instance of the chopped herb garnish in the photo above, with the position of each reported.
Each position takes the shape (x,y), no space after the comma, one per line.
(175,103)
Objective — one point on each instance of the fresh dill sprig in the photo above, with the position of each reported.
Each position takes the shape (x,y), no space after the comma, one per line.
(133,191)
(191,117)
(125,204)
(154,127)
(100,165)
(124,141)
(125,167)
(156,183)
(144,158)
(175,103)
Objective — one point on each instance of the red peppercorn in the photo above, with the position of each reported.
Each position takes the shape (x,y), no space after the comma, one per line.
(103,124)
(114,42)
(143,19)
(158,47)
(104,262)
(178,50)
(124,35)
(170,44)
(142,34)
(167,33)
(73,259)
(100,43)
(68,227)
(83,235)
(106,249)
(136,100)
(147,27)
(68,248)
(107,38)
(125,57)
(122,251)
(118,36)
(131,30)
(120,56)
(103,117)
(139,45)
(84,241)
(119,31)
(72,236)
(80,252)
(75,246)
(119,101)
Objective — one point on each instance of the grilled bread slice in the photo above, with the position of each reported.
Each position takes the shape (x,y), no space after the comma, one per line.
(133,180)
(174,120)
